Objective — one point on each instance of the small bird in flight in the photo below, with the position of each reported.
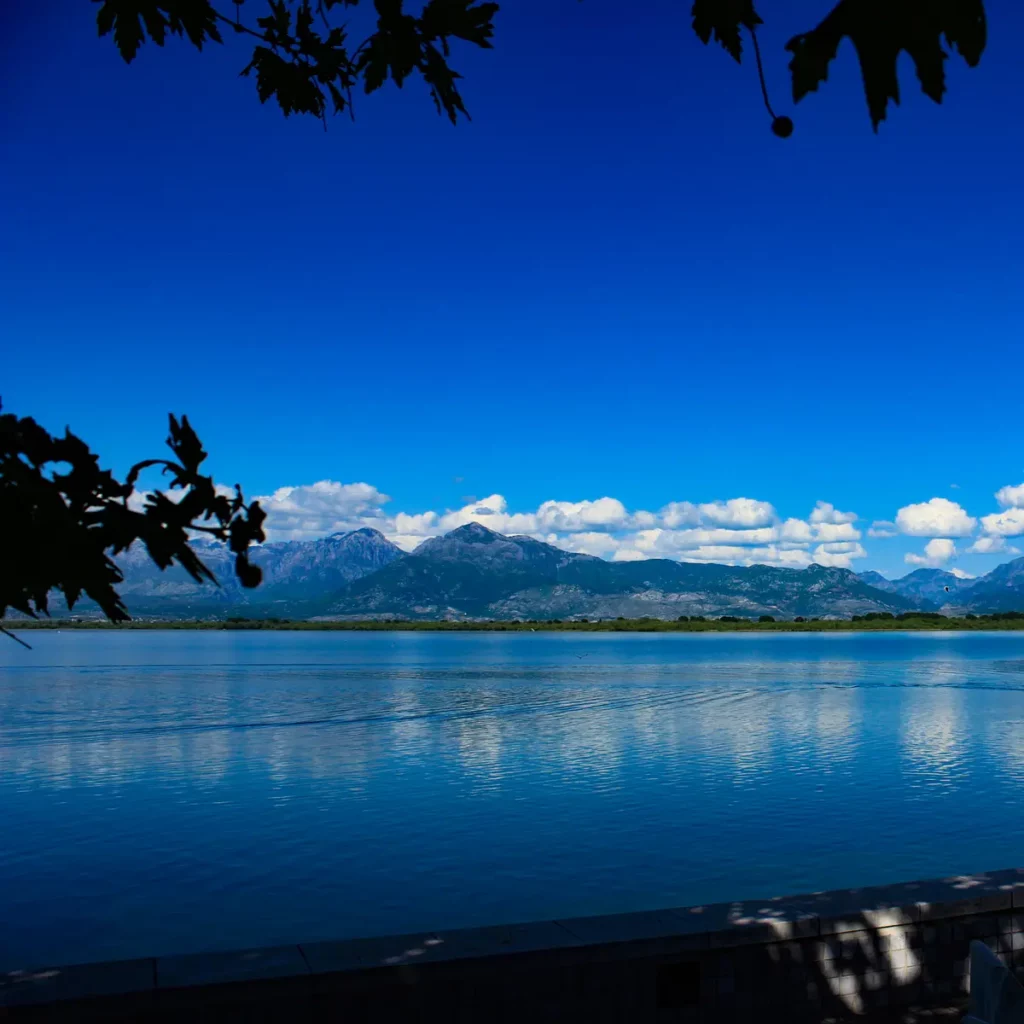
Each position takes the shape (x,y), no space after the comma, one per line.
(582,656)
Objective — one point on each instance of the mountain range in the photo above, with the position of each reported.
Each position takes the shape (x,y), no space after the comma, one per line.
(475,573)
(1001,590)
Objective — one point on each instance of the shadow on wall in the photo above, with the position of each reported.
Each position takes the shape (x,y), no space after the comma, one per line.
(896,953)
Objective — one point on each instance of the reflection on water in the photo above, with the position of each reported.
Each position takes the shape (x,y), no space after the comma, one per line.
(167,792)
(935,736)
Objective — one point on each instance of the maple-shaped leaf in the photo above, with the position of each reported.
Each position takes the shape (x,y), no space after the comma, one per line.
(464,19)
(125,20)
(879,30)
(723,20)
(291,82)
(130,20)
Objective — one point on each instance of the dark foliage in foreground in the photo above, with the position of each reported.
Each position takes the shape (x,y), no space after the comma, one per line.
(306,61)
(62,518)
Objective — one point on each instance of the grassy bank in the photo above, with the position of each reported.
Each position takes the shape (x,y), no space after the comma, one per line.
(723,624)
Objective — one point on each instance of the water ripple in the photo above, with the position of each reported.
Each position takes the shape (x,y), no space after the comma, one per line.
(165,792)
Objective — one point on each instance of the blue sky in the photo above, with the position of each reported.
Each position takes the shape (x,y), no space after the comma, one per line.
(615,282)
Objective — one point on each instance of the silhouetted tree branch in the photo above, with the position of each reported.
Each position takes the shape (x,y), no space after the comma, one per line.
(60,527)
(302,65)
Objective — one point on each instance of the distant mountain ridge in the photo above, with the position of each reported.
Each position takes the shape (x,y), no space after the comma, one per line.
(475,573)
(929,589)
(1000,590)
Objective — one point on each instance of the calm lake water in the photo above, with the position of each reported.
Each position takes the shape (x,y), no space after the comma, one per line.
(173,792)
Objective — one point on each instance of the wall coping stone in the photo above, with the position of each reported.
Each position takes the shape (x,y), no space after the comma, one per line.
(681,929)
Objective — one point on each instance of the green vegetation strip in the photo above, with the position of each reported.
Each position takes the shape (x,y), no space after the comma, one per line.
(875,621)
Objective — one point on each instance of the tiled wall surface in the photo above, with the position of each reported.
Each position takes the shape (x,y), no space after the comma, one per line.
(822,956)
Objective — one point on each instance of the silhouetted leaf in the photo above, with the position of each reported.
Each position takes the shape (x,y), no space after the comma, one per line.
(336,96)
(185,445)
(131,20)
(464,19)
(441,80)
(308,39)
(248,575)
(123,17)
(394,48)
(290,82)
(197,18)
(880,29)
(723,20)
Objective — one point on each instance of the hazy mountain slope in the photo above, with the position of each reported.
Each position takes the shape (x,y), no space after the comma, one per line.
(928,589)
(1001,590)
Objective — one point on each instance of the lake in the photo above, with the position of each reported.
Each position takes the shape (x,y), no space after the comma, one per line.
(165,792)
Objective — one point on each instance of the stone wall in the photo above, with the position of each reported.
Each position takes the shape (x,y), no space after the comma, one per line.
(821,956)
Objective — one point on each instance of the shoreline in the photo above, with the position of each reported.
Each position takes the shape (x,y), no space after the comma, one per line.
(912,623)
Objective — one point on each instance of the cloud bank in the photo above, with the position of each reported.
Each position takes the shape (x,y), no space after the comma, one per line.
(737,531)
(740,531)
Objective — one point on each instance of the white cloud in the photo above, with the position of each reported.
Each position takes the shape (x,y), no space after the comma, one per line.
(738,512)
(827,513)
(796,531)
(769,555)
(786,544)
(843,548)
(831,532)
(838,555)
(491,511)
(316,510)
(1008,523)
(1011,497)
(604,545)
(668,542)
(881,528)
(938,517)
(567,516)
(936,552)
(680,513)
(961,575)
(551,517)
(991,546)
(628,555)
(406,541)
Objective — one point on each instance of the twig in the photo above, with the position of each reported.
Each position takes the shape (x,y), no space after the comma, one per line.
(16,638)
(238,26)
(760,72)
